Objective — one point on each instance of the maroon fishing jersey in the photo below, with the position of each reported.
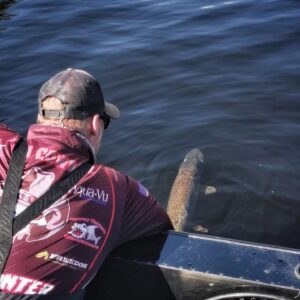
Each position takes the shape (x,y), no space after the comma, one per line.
(60,251)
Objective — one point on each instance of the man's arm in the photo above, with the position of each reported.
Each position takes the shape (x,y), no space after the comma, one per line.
(142,215)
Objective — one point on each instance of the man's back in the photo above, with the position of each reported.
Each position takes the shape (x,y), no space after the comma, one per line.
(60,251)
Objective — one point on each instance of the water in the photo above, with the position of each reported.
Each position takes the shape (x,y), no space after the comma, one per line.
(223,76)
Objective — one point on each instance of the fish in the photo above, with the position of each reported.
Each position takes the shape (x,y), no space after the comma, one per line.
(185,190)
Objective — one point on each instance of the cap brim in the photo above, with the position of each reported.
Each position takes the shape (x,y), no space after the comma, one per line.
(112,110)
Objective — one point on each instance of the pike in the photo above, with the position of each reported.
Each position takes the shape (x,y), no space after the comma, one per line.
(185,190)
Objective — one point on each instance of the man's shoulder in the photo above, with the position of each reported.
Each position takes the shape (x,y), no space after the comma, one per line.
(123,181)
(5,130)
(7,135)
(114,174)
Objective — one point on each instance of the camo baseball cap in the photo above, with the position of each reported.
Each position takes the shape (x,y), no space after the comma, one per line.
(79,92)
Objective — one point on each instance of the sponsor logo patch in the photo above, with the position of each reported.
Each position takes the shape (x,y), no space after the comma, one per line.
(35,183)
(52,220)
(95,195)
(86,231)
(61,161)
(11,283)
(62,260)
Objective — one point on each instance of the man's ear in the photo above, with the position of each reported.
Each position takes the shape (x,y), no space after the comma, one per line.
(95,125)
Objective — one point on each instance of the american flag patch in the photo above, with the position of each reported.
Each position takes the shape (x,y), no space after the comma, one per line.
(142,190)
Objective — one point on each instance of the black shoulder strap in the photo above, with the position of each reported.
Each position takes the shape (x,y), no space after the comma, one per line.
(10,226)
(59,189)
(9,198)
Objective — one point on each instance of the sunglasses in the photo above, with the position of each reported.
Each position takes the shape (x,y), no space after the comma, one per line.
(106,120)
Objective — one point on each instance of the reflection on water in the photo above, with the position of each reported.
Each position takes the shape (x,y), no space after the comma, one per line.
(221,76)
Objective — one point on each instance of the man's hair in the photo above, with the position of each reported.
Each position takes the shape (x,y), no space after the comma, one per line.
(51,103)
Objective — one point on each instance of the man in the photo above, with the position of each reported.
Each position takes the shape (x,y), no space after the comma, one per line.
(59,252)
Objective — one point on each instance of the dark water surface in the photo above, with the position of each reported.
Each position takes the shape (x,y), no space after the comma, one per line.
(221,76)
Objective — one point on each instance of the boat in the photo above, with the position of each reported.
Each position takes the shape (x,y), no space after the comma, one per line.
(179,265)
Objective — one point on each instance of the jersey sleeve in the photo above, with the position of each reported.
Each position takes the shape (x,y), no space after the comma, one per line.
(142,215)
(8,140)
